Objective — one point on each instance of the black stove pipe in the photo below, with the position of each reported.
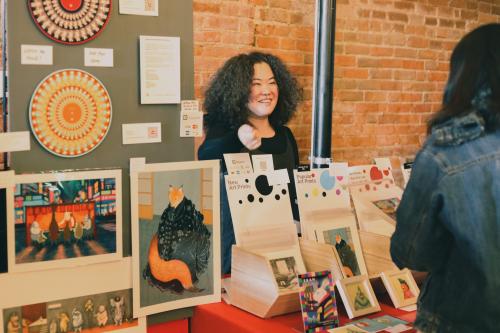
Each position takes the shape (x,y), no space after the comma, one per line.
(324,52)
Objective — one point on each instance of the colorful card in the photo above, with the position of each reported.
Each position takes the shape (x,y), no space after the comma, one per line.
(317,301)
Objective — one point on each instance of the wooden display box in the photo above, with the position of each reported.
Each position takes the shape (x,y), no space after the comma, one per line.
(253,285)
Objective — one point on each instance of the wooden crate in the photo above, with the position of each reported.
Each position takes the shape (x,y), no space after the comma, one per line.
(254,289)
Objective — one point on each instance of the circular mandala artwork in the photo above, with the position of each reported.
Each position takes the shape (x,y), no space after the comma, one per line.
(70,21)
(70,112)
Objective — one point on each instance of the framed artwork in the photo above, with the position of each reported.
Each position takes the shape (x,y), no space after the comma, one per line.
(401,287)
(70,112)
(255,195)
(317,301)
(6,182)
(70,22)
(64,219)
(175,235)
(358,296)
(286,266)
(343,236)
(70,300)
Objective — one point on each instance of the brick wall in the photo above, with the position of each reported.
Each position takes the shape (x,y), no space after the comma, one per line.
(391,62)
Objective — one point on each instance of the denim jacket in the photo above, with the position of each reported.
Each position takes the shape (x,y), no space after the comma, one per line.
(448,224)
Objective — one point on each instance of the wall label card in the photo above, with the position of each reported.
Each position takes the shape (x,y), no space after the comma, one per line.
(14,141)
(36,55)
(141,133)
(190,105)
(160,63)
(98,57)
(191,124)
(139,7)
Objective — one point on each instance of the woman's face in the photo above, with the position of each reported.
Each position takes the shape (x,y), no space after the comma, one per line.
(264,91)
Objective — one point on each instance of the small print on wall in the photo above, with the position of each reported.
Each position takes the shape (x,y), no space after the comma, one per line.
(64,219)
(175,219)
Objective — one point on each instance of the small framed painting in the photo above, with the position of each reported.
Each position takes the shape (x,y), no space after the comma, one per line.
(317,301)
(358,296)
(175,235)
(343,235)
(401,287)
(64,219)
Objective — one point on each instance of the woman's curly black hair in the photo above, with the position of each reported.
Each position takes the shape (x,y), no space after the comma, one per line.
(227,95)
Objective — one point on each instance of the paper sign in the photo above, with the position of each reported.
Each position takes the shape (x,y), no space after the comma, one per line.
(139,7)
(160,64)
(191,124)
(14,141)
(190,105)
(141,133)
(278,177)
(98,57)
(262,162)
(36,54)
(238,164)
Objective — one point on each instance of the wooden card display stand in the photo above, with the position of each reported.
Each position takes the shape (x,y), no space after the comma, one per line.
(263,226)
(371,184)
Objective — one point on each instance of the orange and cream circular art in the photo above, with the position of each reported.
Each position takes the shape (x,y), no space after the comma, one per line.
(70,112)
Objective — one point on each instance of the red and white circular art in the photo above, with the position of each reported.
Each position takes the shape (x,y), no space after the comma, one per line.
(70,112)
(70,21)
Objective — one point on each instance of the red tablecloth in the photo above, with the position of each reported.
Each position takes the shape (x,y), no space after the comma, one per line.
(220,317)
(176,326)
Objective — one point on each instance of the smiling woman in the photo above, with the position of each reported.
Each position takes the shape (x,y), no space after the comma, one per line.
(247,104)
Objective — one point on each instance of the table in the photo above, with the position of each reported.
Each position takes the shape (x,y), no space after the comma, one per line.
(221,317)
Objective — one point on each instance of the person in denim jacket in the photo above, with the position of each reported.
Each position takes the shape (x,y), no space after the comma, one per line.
(448,221)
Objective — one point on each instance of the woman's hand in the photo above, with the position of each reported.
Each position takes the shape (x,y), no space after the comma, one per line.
(249,137)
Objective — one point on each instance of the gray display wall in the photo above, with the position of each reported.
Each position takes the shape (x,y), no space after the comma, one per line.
(122,82)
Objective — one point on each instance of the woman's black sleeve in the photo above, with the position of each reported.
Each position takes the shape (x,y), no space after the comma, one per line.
(219,142)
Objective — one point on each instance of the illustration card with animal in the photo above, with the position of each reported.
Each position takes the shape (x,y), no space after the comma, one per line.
(286,266)
(401,287)
(255,203)
(347,329)
(317,301)
(175,235)
(358,296)
(6,194)
(343,236)
(105,312)
(58,220)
